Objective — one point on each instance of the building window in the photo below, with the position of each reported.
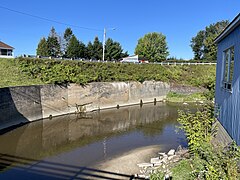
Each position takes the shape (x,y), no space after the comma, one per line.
(9,53)
(4,52)
(228,57)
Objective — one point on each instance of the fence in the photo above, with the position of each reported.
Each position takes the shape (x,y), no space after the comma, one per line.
(186,63)
(160,63)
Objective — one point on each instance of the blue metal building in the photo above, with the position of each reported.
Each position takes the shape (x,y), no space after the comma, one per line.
(227,95)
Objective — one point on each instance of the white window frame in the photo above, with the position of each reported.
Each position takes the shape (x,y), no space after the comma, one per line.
(217,110)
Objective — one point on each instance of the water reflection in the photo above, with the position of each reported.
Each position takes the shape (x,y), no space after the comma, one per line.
(87,139)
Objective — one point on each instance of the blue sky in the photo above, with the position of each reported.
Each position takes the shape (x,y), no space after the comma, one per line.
(178,20)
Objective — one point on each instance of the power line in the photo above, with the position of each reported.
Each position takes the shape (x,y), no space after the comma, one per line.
(49,20)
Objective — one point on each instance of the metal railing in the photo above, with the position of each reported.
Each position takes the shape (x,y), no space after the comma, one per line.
(186,63)
(160,63)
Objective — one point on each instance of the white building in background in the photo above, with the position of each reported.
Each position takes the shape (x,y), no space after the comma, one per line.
(134,59)
(130,59)
(6,51)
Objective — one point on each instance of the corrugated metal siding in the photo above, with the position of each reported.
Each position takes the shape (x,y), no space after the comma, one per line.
(229,102)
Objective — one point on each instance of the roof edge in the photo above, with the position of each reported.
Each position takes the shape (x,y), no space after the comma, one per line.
(234,23)
(5,46)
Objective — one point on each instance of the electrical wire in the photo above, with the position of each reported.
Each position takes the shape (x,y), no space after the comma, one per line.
(49,20)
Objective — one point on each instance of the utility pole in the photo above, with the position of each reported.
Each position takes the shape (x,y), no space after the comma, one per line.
(104,39)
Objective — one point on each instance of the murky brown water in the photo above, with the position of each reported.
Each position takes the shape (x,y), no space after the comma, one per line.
(62,147)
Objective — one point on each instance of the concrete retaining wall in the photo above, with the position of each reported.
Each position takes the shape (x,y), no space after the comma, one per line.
(30,103)
(186,90)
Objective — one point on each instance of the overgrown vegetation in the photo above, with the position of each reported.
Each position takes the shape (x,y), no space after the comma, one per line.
(195,97)
(62,71)
(197,127)
(206,161)
(27,71)
(11,75)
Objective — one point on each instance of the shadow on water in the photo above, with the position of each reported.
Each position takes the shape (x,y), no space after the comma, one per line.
(32,169)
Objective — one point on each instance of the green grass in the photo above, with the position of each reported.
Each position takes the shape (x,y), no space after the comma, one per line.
(157,176)
(195,97)
(182,171)
(12,76)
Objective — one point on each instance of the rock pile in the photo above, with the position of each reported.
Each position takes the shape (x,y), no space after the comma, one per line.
(162,163)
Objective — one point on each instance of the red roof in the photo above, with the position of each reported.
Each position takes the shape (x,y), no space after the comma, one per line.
(5,46)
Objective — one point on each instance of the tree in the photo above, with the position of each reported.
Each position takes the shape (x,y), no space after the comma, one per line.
(113,50)
(89,50)
(203,44)
(82,50)
(152,46)
(42,49)
(53,44)
(67,36)
(75,49)
(197,45)
(97,49)
(124,54)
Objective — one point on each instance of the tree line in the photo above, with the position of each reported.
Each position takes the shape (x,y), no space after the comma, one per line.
(203,45)
(152,46)
(69,46)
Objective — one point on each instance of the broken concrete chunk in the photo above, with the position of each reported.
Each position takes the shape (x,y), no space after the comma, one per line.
(172,157)
(171,152)
(142,165)
(182,152)
(157,164)
(155,160)
(165,160)
(162,154)
(141,176)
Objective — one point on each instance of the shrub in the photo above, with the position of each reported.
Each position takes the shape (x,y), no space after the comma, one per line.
(208,161)
(197,127)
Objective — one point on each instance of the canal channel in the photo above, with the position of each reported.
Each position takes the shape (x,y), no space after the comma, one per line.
(75,146)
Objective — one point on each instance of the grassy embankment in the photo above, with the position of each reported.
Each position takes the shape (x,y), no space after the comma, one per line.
(26,71)
(11,75)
